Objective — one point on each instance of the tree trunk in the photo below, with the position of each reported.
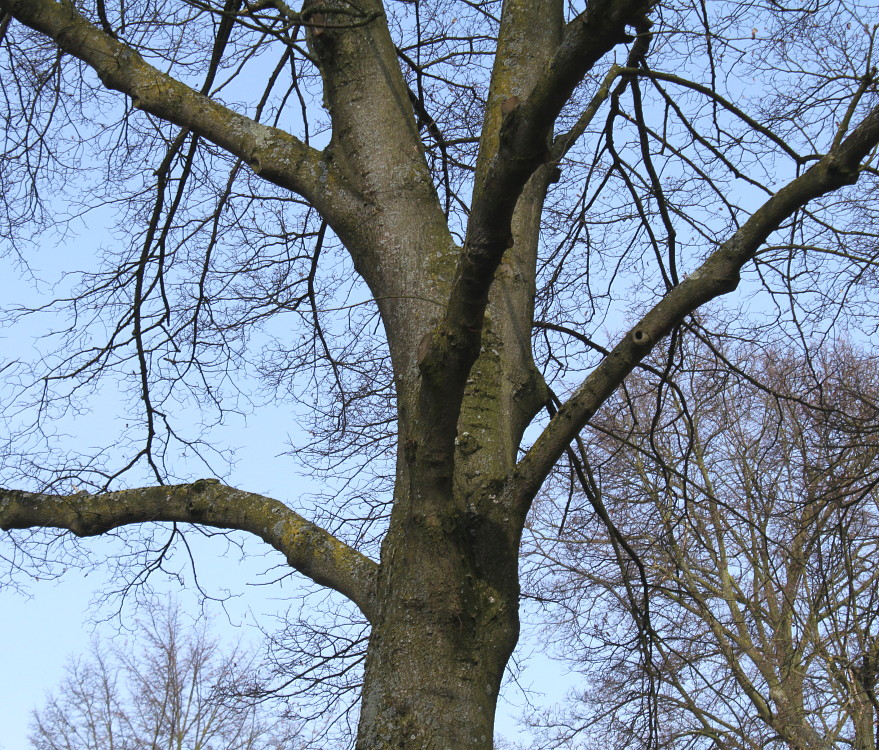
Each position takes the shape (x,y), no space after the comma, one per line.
(446,625)
(443,602)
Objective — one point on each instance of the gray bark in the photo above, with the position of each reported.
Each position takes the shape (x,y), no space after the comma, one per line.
(443,599)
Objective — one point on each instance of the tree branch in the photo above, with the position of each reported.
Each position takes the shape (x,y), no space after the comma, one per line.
(719,274)
(272,153)
(725,103)
(524,144)
(522,147)
(308,548)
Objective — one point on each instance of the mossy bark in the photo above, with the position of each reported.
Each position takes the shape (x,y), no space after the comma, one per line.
(446,625)
(443,600)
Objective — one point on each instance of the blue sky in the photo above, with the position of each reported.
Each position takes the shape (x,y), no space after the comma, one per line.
(50,621)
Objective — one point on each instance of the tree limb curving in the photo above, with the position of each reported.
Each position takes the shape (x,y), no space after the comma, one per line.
(308,548)
(272,153)
(718,275)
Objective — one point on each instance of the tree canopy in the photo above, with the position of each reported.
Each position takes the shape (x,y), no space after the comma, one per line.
(447,232)
(751,506)
(170,686)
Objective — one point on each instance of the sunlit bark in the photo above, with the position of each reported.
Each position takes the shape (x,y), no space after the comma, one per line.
(443,600)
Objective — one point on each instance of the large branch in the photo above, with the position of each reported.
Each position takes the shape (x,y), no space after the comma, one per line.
(522,146)
(272,153)
(718,275)
(374,126)
(376,141)
(307,547)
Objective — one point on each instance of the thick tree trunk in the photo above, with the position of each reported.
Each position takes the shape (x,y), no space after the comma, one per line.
(443,603)
(446,625)
(427,687)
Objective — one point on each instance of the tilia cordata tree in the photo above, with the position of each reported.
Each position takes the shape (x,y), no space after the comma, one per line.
(478,161)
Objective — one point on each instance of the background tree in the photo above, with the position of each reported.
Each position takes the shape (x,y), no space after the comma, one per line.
(168,686)
(752,506)
(364,206)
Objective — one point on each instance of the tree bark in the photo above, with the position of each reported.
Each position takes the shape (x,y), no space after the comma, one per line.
(443,601)
(309,549)
(446,625)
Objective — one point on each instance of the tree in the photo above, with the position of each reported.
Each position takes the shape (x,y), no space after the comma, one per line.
(753,510)
(477,161)
(170,687)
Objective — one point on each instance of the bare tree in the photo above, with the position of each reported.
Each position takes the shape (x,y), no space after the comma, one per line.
(168,686)
(364,206)
(753,511)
